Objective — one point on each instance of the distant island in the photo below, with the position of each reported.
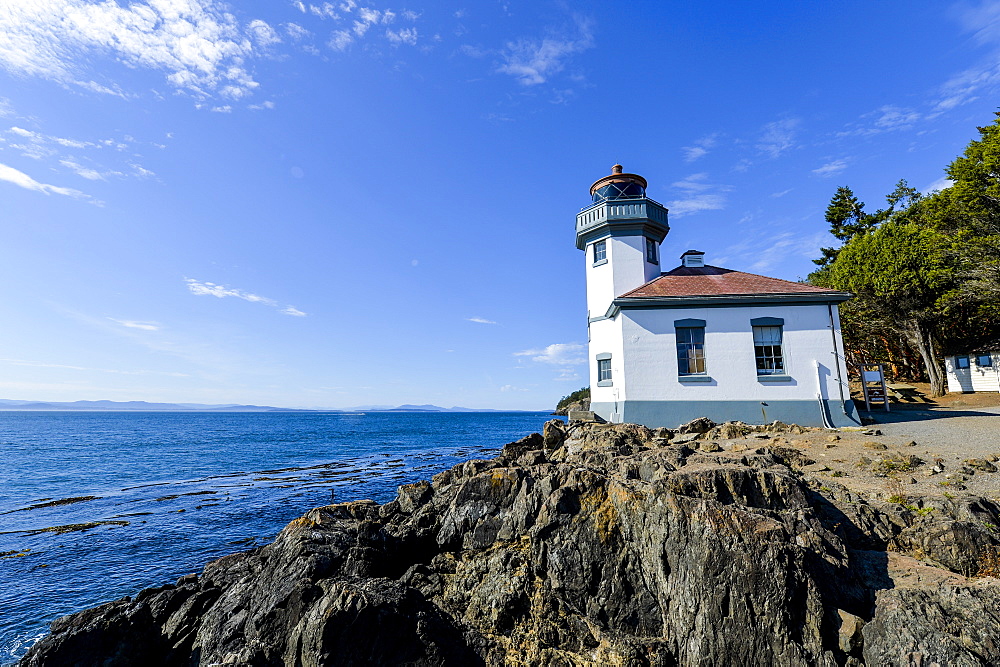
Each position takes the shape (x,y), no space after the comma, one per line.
(143,406)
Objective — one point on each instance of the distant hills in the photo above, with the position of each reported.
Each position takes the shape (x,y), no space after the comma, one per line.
(143,406)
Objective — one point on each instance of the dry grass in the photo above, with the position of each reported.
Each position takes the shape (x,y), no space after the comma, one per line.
(896,492)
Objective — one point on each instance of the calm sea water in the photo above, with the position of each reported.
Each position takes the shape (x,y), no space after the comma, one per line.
(95,506)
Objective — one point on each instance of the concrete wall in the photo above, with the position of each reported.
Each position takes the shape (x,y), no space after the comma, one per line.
(648,389)
(605,338)
(974,378)
(625,270)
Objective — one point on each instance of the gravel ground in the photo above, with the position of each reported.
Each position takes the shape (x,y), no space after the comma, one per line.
(964,433)
(913,451)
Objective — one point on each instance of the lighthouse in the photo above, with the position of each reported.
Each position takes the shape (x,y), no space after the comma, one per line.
(666,347)
(621,232)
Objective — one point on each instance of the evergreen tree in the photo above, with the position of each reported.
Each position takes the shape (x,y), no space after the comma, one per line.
(926,269)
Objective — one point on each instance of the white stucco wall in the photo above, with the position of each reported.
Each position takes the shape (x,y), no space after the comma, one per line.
(974,378)
(605,337)
(625,270)
(650,364)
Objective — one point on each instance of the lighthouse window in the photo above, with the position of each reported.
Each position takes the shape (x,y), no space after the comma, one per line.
(690,350)
(651,251)
(767,350)
(600,252)
(604,371)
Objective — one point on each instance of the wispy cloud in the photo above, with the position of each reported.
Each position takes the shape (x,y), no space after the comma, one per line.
(887,118)
(197,44)
(778,137)
(557,354)
(704,202)
(357,23)
(535,61)
(135,324)
(221,292)
(510,387)
(263,34)
(942,183)
(402,36)
(700,148)
(21,179)
(983,21)
(698,194)
(830,168)
(480,320)
(762,252)
(72,367)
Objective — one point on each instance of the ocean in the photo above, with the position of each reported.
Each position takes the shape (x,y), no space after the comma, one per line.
(95,506)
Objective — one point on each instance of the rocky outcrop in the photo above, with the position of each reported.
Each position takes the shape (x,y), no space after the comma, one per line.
(581,406)
(593,544)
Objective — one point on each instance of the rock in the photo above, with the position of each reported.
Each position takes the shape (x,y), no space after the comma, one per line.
(832,438)
(829,445)
(699,425)
(709,446)
(576,406)
(851,639)
(553,433)
(981,465)
(873,445)
(599,551)
(911,443)
(582,416)
(733,430)
(915,626)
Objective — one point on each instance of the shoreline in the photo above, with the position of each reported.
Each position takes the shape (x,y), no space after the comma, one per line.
(777,467)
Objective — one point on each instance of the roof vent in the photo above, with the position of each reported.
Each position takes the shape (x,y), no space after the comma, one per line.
(693,258)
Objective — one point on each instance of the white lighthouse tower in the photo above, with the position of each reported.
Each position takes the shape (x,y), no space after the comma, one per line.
(621,233)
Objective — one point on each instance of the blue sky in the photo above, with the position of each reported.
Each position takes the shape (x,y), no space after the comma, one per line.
(350,203)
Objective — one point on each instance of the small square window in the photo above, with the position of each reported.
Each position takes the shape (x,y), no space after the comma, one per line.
(600,251)
(984,361)
(604,370)
(962,362)
(767,350)
(651,251)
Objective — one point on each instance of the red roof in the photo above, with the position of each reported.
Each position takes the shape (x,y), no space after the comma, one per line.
(714,281)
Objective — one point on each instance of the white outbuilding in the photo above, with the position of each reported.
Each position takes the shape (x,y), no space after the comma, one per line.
(978,370)
(700,340)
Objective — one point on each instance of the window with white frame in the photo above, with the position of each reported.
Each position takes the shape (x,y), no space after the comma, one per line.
(691,350)
(603,370)
(600,252)
(651,251)
(767,349)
